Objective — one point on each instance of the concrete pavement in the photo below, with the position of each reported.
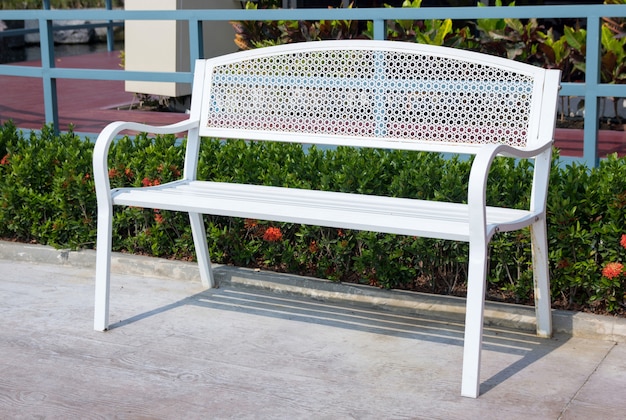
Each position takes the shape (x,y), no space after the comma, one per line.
(260,346)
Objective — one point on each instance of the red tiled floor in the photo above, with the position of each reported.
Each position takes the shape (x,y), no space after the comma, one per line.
(87,104)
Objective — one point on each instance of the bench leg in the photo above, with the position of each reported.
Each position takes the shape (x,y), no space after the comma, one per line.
(541,277)
(476,283)
(202,250)
(103,269)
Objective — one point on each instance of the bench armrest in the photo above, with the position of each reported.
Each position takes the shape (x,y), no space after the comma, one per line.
(106,137)
(477,189)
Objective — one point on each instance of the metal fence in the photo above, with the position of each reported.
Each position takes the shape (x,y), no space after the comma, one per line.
(591,90)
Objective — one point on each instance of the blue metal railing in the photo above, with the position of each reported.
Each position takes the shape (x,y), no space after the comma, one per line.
(110,25)
(108,5)
(591,89)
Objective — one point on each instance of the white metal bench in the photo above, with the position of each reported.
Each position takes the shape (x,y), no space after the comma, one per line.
(380,94)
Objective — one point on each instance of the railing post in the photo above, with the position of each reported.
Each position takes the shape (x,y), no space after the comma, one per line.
(50,98)
(196,42)
(592,79)
(379,29)
(110,34)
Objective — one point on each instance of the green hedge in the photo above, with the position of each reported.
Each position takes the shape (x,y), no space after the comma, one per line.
(48,197)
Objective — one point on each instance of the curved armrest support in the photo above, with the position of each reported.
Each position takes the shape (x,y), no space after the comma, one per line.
(477,189)
(103,143)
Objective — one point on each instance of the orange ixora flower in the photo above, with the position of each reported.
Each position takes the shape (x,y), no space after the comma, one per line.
(146,182)
(272,234)
(5,160)
(612,270)
(175,171)
(622,241)
(158,217)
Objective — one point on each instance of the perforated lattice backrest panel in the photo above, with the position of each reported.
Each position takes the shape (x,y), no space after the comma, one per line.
(363,93)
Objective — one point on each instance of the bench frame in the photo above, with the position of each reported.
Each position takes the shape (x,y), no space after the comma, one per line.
(474,222)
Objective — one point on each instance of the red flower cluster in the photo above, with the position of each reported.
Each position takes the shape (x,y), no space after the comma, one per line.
(173,169)
(250,223)
(146,182)
(113,173)
(5,160)
(272,234)
(612,270)
(158,217)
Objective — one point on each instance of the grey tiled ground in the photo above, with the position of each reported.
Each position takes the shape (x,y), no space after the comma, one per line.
(178,351)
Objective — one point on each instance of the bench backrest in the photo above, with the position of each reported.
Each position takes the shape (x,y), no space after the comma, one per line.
(375,93)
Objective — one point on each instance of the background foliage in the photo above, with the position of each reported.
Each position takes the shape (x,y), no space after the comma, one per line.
(557,43)
(47,196)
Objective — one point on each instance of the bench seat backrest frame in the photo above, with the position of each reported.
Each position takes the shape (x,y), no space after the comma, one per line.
(386,93)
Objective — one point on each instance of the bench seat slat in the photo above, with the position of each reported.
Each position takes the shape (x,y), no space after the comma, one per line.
(323,208)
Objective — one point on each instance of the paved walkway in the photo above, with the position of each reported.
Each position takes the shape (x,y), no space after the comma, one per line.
(178,351)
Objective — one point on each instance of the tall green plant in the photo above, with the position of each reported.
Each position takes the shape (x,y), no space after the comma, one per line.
(428,31)
(512,38)
(613,61)
(257,34)
(254,34)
